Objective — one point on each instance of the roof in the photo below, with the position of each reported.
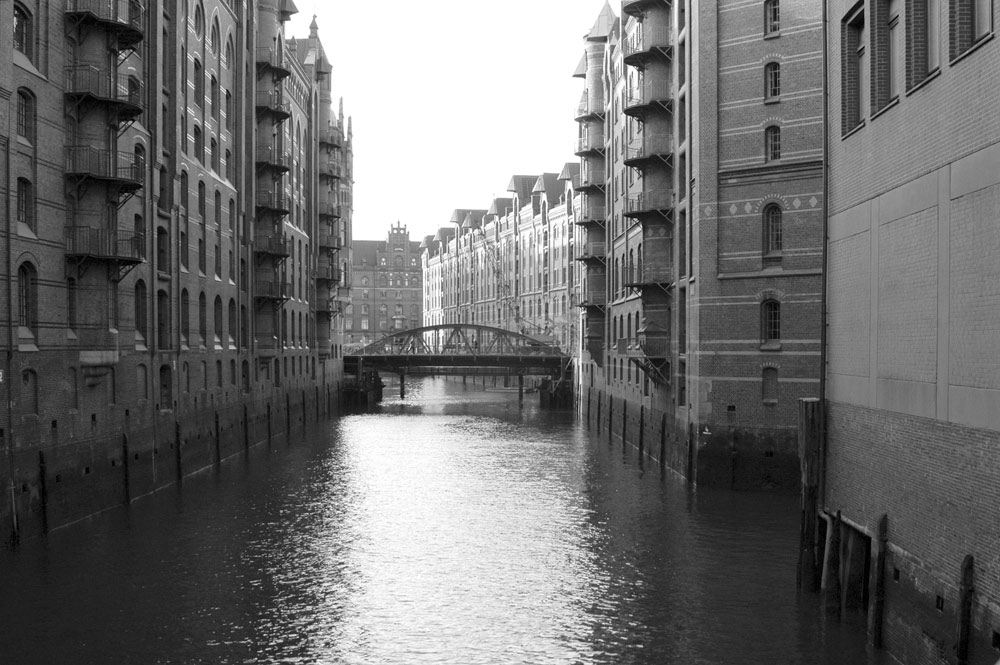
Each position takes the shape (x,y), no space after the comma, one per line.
(365,251)
(581,69)
(603,26)
(569,171)
(548,184)
(500,206)
(521,186)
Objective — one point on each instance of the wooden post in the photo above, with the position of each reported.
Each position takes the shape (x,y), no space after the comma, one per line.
(809,437)
(878,601)
(402,385)
(831,572)
(520,389)
(965,593)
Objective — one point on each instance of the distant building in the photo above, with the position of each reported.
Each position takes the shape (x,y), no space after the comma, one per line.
(913,293)
(387,287)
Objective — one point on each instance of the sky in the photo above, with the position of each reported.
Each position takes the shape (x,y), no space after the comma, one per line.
(450,98)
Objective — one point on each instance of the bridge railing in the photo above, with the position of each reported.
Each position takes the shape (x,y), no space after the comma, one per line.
(459,340)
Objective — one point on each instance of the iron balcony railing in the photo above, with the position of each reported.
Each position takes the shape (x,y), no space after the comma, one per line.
(273,156)
(331,137)
(272,201)
(273,101)
(648,146)
(585,110)
(329,168)
(330,240)
(589,142)
(84,241)
(647,202)
(271,57)
(659,272)
(592,210)
(649,92)
(328,273)
(329,210)
(271,244)
(592,175)
(646,38)
(104,84)
(593,249)
(271,289)
(105,164)
(126,13)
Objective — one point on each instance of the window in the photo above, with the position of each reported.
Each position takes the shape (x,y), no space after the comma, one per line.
(887,51)
(772,143)
(769,385)
(969,21)
(27,298)
(185,316)
(922,19)
(199,84)
(26,203)
(71,302)
(770,324)
(772,17)
(229,110)
(201,199)
(199,21)
(203,318)
(215,98)
(772,229)
(163,319)
(26,115)
(24,32)
(213,42)
(772,81)
(218,322)
(141,315)
(853,69)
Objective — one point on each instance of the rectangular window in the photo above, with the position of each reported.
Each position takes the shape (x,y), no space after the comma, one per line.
(853,70)
(969,21)
(772,17)
(25,203)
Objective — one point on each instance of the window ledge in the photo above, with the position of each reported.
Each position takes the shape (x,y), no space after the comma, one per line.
(770,402)
(936,72)
(892,103)
(772,100)
(976,45)
(770,346)
(772,35)
(857,128)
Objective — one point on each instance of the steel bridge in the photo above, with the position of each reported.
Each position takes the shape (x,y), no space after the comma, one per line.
(460,349)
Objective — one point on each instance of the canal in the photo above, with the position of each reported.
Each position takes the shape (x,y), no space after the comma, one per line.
(450,527)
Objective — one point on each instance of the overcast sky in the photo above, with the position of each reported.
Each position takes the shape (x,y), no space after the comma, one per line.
(450,98)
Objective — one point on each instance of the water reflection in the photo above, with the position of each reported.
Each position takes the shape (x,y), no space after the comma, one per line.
(450,527)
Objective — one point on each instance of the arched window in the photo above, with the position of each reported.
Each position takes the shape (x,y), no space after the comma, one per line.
(163,193)
(213,42)
(772,229)
(201,199)
(185,203)
(218,331)
(27,299)
(770,321)
(141,313)
(24,31)
(232,323)
(229,54)
(772,81)
(772,143)
(199,144)
(203,318)
(199,21)
(214,98)
(166,387)
(199,84)
(772,17)
(26,203)
(185,316)
(163,319)
(162,250)
(213,155)
(25,114)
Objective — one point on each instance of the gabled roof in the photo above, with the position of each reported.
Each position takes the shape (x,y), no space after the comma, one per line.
(521,185)
(473,219)
(569,171)
(603,26)
(500,206)
(548,185)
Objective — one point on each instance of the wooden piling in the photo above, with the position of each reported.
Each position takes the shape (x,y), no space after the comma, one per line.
(807,576)
(831,571)
(520,389)
(877,620)
(966,590)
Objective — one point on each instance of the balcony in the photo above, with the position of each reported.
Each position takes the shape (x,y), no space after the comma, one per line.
(120,93)
(650,150)
(594,298)
(592,250)
(331,210)
(329,241)
(84,242)
(592,143)
(659,273)
(650,97)
(123,18)
(272,202)
(331,138)
(329,274)
(648,203)
(271,245)
(592,178)
(330,169)
(270,59)
(592,211)
(639,8)
(647,42)
(272,157)
(273,103)
(585,112)
(124,169)
(325,308)
(265,289)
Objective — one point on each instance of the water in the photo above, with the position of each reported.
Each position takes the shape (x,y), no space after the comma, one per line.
(452,527)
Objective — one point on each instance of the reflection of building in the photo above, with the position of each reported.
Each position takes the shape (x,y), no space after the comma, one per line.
(509,266)
(701,230)
(169,235)
(386,287)
(913,293)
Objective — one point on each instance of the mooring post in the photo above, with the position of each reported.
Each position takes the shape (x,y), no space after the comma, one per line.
(520,389)
(966,590)
(878,601)
(809,435)
(831,573)
(402,385)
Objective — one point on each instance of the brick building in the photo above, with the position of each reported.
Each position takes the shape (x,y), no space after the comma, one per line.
(510,265)
(701,231)
(913,375)
(169,173)
(387,292)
